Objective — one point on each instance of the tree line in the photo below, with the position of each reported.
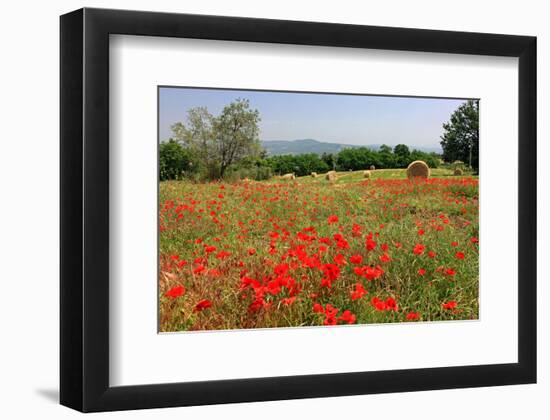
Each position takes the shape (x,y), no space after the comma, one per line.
(227,146)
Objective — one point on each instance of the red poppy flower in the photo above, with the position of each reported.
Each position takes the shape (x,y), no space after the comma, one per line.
(359,292)
(281,269)
(420,232)
(174,257)
(209,249)
(356,230)
(181,263)
(372,273)
(418,249)
(331,271)
(421,271)
(199,269)
(330,315)
(339,259)
(459,255)
(330,320)
(342,244)
(318,308)
(455,244)
(325,240)
(175,292)
(222,255)
(356,259)
(449,305)
(251,251)
(370,244)
(431,254)
(391,304)
(385,258)
(450,272)
(378,304)
(203,304)
(413,316)
(332,219)
(348,317)
(288,301)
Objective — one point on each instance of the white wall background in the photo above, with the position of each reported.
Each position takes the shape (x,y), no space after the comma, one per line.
(29,269)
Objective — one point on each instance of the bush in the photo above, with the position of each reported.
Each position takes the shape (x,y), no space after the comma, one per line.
(258,170)
(300,165)
(174,161)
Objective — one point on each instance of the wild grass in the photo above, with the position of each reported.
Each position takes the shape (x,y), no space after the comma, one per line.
(301,252)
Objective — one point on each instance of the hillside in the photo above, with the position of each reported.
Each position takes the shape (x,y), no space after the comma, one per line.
(296,147)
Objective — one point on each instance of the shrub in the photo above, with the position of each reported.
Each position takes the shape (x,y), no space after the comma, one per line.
(253,172)
(174,161)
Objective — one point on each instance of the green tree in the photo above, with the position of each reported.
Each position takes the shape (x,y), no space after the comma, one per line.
(236,132)
(460,140)
(174,160)
(386,156)
(357,158)
(197,135)
(329,159)
(432,159)
(219,142)
(300,165)
(402,155)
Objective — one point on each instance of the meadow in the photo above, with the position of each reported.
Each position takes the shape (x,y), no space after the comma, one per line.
(308,252)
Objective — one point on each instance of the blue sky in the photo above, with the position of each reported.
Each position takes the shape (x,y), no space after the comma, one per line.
(350,119)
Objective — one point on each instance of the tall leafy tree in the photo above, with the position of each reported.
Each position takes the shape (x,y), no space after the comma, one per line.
(219,142)
(197,135)
(329,159)
(460,140)
(237,134)
(402,155)
(387,159)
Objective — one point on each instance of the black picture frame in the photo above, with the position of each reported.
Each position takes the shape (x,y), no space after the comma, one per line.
(84,296)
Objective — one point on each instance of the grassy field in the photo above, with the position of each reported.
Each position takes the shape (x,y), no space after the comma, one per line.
(308,252)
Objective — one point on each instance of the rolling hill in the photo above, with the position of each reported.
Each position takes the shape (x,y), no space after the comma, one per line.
(296,147)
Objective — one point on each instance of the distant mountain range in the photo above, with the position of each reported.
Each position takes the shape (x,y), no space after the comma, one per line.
(296,147)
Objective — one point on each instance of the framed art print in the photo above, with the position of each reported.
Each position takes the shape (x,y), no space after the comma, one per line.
(257,209)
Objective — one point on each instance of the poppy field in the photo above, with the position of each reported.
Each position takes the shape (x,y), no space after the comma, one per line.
(307,252)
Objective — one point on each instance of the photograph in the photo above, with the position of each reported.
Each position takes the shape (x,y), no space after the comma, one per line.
(301,209)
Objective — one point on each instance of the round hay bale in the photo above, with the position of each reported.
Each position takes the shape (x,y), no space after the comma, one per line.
(372,167)
(331,176)
(366,174)
(288,177)
(314,174)
(457,164)
(418,169)
(458,172)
